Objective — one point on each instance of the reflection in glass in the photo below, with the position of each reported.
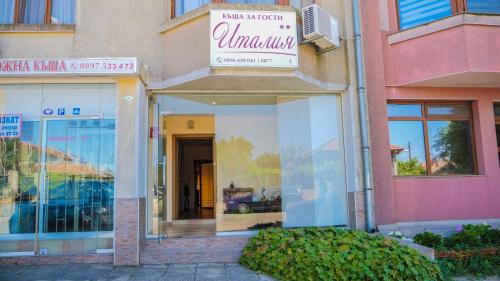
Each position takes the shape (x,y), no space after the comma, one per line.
(63,12)
(312,161)
(497,127)
(280,162)
(450,147)
(32,11)
(404,110)
(407,148)
(252,1)
(496,109)
(184,6)
(19,170)
(461,109)
(483,6)
(79,179)
(7,11)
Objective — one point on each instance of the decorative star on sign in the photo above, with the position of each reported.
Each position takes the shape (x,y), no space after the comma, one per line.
(282,26)
(287,26)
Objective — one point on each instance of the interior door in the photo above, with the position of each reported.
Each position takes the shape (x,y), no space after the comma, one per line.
(207,185)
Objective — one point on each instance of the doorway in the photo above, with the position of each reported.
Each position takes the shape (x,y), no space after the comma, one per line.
(194,188)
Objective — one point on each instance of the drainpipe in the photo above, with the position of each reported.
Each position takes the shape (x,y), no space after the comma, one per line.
(363,119)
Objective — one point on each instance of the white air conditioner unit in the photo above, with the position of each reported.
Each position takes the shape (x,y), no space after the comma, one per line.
(320,27)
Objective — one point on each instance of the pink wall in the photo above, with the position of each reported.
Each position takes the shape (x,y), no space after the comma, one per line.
(407,199)
(459,49)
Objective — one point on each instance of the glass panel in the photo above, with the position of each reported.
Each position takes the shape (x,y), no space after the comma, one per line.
(279,162)
(7,11)
(407,148)
(32,11)
(450,147)
(79,181)
(78,171)
(404,110)
(496,108)
(483,6)
(462,109)
(252,1)
(497,127)
(19,166)
(296,3)
(417,12)
(184,6)
(63,12)
(19,174)
(312,161)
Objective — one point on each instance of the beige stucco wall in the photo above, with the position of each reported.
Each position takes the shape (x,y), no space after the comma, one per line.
(111,28)
(187,45)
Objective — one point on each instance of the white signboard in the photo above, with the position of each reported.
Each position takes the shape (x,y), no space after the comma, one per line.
(107,66)
(10,125)
(253,39)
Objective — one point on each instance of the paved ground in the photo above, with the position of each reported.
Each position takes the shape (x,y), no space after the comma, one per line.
(173,272)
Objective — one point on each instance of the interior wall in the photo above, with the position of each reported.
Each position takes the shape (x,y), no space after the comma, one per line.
(175,125)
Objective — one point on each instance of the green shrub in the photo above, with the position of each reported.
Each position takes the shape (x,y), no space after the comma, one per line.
(473,250)
(429,239)
(472,236)
(491,237)
(334,254)
(478,266)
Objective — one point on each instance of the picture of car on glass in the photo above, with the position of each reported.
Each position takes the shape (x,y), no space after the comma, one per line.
(247,200)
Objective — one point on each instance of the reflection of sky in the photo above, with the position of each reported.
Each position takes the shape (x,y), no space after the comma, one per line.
(256,123)
(174,105)
(404,132)
(88,142)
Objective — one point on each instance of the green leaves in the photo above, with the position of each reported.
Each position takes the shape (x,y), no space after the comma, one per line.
(334,254)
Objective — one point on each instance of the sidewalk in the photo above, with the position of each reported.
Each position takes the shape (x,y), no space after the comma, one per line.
(172,272)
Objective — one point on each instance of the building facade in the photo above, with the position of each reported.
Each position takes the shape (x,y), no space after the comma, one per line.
(162,131)
(433,82)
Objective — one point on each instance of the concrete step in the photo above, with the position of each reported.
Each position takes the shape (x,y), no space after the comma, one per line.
(192,250)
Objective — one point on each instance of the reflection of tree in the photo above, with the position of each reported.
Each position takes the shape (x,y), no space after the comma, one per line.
(235,164)
(452,149)
(410,167)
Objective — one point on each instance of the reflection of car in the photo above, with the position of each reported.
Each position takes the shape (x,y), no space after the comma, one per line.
(90,209)
(245,204)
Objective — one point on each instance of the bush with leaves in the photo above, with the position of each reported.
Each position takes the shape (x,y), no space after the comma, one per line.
(334,254)
(471,236)
(429,239)
(472,250)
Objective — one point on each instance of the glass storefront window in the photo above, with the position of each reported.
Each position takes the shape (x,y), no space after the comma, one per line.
(277,161)
(57,176)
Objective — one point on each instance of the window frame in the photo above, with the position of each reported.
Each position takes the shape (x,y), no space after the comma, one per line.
(497,122)
(457,7)
(47,16)
(172,5)
(425,118)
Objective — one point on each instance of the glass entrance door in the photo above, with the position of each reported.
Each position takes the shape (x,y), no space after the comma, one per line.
(157,184)
(77,184)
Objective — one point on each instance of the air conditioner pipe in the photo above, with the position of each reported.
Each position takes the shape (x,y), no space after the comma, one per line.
(363,119)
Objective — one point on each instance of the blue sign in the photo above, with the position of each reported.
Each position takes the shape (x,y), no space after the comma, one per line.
(76,111)
(61,111)
(48,111)
(10,125)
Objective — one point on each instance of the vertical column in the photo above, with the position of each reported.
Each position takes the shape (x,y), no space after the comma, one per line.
(129,199)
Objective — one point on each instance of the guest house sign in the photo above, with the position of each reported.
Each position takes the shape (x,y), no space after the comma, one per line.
(93,66)
(253,39)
